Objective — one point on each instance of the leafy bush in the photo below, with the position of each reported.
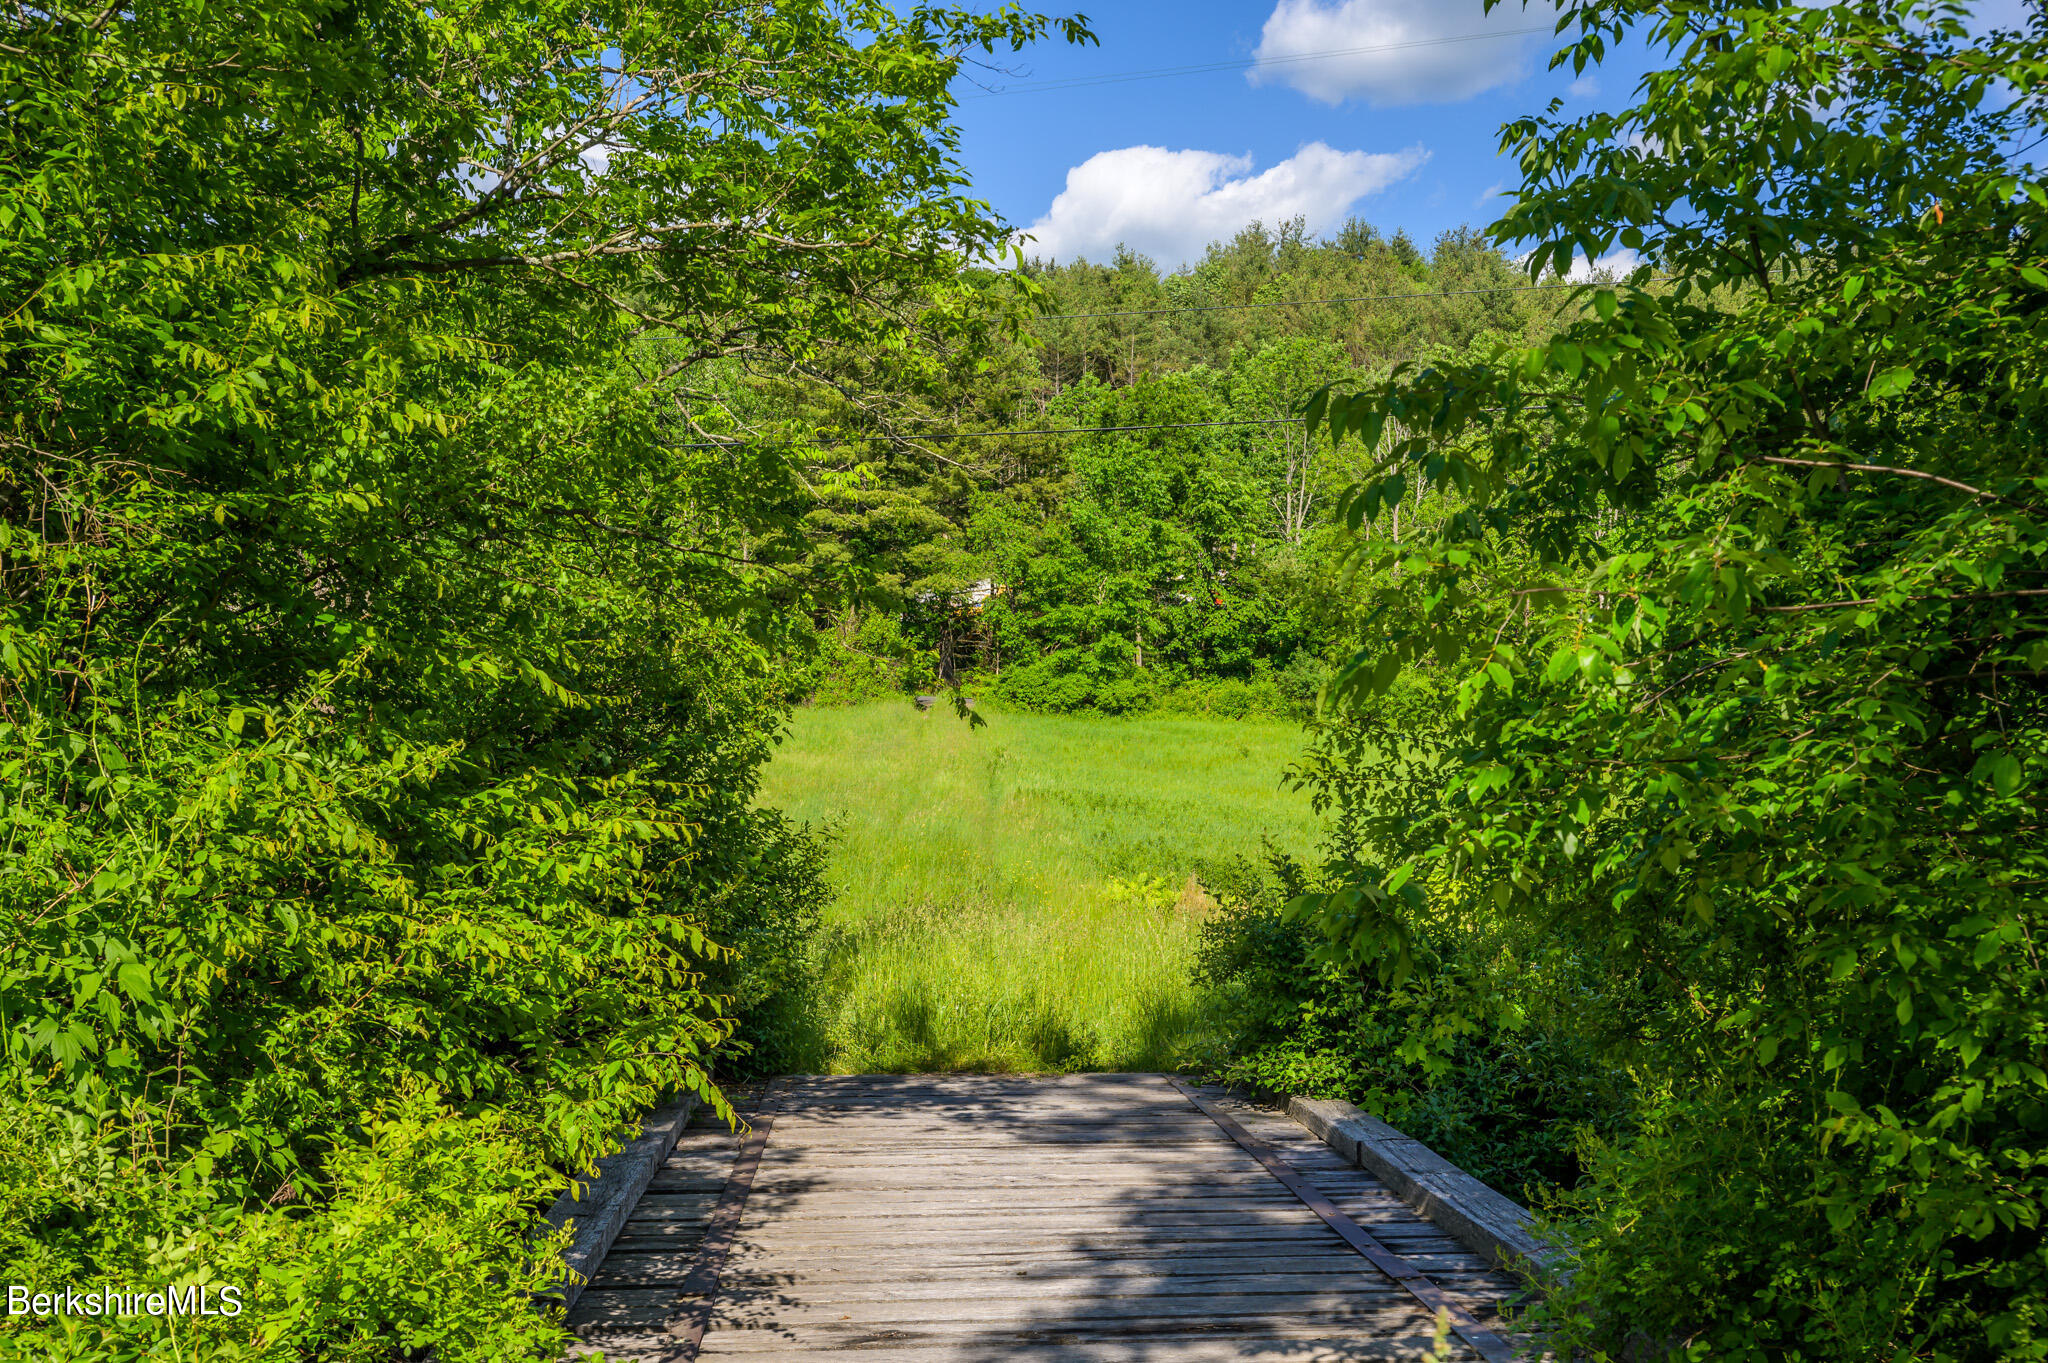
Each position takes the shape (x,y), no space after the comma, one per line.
(420,1241)
(1744,610)
(1512,1102)
(390,640)
(872,664)
(1096,677)
(1270,693)
(762,900)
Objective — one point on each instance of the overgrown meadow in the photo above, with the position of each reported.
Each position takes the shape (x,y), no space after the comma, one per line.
(1024,895)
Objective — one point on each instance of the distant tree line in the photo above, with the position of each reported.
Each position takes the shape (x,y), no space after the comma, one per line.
(1189,564)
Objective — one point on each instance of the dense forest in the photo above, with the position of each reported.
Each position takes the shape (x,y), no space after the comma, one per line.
(1157,534)
(439,447)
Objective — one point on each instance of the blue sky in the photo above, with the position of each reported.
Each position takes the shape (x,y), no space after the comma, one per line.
(1387,109)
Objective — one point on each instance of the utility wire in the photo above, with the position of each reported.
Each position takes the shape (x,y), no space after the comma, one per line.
(1163,72)
(1103,430)
(1042,430)
(1312,302)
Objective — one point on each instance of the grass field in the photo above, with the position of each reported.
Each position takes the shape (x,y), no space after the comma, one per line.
(1017,897)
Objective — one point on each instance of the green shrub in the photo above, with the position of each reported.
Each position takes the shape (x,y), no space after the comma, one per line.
(871,665)
(1098,677)
(1744,611)
(390,638)
(420,1244)
(1510,1105)
(762,902)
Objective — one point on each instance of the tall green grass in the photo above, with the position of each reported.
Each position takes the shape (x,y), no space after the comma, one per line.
(1017,897)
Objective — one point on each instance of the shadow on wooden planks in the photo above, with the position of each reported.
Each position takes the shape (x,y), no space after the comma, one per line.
(984,1218)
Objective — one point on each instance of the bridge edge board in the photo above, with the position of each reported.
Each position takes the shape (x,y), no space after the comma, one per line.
(599,1206)
(1490,1224)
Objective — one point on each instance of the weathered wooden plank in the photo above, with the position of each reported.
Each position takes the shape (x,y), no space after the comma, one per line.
(1077,1162)
(931,1224)
(914,1338)
(974,1202)
(956,1219)
(702,1155)
(1150,1155)
(795,1271)
(1079,1221)
(795,1267)
(676,1201)
(596,1209)
(646,1213)
(1103,1165)
(962,1243)
(689,1179)
(767,1310)
(1479,1217)
(1387,1343)
(885,1292)
(1109,1183)
(1111,1225)
(1154,1165)
(1392,1341)
(1400,1332)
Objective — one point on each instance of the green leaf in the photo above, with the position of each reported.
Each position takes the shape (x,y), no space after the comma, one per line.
(1999,769)
(135,982)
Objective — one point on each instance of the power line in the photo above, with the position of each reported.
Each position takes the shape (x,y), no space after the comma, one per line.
(1163,72)
(1041,430)
(1312,302)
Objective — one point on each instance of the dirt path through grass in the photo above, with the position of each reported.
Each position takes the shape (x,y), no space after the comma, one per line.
(1016,896)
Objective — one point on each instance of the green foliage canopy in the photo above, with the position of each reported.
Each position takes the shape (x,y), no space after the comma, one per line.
(388,636)
(1746,613)
(1112,552)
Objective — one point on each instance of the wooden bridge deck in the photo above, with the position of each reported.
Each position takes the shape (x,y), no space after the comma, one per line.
(971,1219)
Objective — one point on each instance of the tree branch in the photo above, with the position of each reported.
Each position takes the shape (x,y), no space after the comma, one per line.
(1884,468)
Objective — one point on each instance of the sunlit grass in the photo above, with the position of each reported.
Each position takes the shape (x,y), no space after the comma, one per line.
(1016,897)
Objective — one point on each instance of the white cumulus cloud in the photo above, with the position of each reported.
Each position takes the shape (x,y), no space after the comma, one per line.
(1616,264)
(1395,51)
(1171,204)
